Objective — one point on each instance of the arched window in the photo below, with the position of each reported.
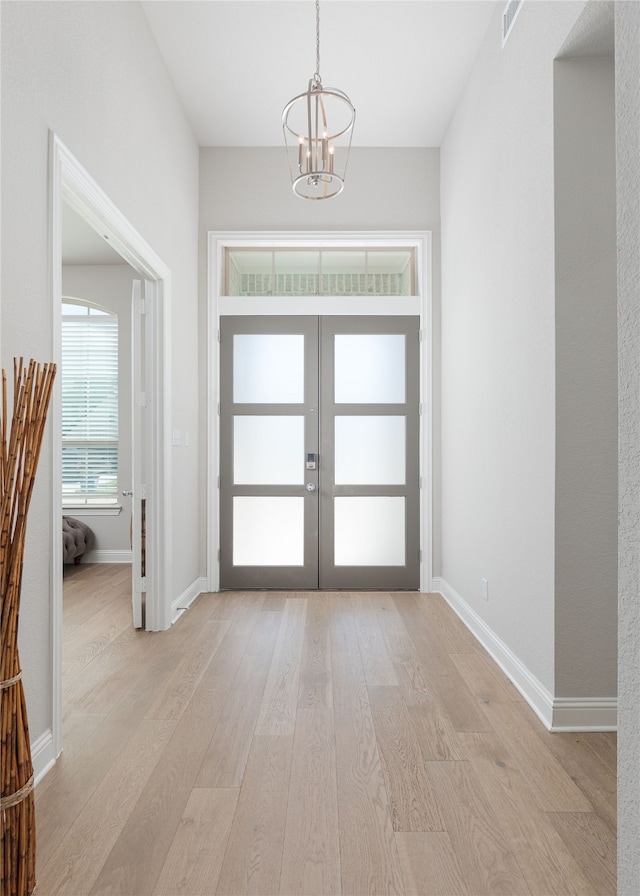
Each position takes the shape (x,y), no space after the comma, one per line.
(89,374)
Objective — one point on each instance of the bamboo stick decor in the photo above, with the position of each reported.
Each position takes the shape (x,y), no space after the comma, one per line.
(21,431)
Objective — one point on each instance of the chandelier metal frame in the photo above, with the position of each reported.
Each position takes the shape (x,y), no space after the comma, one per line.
(318,154)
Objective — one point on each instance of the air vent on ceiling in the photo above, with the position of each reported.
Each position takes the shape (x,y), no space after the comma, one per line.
(509,16)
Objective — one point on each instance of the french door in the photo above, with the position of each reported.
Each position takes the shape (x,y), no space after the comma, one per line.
(319,452)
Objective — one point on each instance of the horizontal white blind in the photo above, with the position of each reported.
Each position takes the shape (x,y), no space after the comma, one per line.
(89,374)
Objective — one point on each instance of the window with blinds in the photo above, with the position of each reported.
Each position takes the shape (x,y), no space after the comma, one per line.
(89,374)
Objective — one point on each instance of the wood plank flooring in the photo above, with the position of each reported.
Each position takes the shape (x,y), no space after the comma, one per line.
(308,743)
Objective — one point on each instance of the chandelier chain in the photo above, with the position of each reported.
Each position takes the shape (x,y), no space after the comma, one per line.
(318,78)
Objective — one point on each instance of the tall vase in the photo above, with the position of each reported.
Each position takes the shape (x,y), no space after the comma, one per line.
(21,432)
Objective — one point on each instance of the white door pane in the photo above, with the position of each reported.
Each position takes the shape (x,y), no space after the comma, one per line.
(268,531)
(268,450)
(369,531)
(370,450)
(370,369)
(268,368)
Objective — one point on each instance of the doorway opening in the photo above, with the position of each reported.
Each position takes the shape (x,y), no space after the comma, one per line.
(341,287)
(74,191)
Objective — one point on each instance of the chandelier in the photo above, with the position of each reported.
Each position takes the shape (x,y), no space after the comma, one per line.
(318,126)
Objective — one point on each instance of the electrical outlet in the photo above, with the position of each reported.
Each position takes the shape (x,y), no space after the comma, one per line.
(485,589)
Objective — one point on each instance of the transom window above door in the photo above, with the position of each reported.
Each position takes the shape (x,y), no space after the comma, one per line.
(309,271)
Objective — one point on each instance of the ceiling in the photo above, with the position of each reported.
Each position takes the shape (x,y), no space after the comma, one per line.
(81,244)
(236,63)
(403,63)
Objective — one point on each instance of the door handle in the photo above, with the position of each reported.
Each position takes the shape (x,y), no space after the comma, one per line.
(310,487)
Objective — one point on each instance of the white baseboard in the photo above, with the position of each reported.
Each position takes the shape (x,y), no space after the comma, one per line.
(556,713)
(585,714)
(184,601)
(42,755)
(99,556)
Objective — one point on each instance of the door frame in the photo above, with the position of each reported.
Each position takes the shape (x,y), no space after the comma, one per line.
(219,305)
(70,182)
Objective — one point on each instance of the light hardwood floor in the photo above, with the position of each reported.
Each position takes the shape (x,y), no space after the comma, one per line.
(309,743)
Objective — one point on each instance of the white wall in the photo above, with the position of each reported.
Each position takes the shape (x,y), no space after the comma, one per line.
(627,31)
(498,336)
(385,190)
(93,74)
(109,285)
